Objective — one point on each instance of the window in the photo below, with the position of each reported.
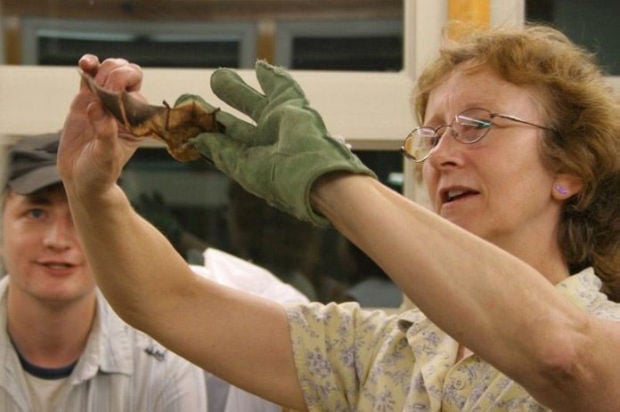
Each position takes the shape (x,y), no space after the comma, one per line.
(164,44)
(361,45)
(592,24)
(62,36)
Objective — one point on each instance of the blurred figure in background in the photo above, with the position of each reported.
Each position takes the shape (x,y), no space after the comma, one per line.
(286,246)
(370,286)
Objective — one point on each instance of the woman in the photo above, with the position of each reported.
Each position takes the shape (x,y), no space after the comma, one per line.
(519,146)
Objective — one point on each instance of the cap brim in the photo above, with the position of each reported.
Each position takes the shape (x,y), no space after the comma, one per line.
(35,180)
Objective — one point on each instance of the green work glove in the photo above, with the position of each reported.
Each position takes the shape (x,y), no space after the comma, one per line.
(285,152)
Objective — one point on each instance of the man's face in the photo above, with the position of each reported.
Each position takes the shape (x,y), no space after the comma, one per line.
(41,250)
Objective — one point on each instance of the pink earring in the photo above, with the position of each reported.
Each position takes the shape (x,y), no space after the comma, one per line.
(561,190)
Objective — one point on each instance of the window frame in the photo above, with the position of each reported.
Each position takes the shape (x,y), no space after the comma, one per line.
(370,109)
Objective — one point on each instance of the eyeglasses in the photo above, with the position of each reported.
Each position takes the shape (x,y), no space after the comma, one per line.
(468,127)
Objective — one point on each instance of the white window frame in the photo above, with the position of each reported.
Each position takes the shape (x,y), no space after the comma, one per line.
(372,110)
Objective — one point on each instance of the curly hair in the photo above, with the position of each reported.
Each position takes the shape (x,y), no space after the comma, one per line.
(580,105)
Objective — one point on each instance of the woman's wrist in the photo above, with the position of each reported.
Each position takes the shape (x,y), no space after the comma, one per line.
(336,190)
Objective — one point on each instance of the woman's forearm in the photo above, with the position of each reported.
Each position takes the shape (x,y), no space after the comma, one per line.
(117,240)
(485,298)
(150,285)
(146,281)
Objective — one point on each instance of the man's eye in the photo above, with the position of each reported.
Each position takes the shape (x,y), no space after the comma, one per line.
(36,213)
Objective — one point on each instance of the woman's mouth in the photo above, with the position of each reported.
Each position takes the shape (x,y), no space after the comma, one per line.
(452,195)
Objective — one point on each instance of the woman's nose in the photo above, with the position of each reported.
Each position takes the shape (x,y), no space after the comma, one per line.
(447,149)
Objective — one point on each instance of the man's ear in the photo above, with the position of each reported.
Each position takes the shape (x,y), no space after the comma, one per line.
(566,186)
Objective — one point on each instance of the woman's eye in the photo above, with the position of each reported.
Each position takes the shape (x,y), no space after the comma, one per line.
(476,124)
(471,126)
(482,124)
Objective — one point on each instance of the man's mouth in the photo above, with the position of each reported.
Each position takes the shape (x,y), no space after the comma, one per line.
(55,265)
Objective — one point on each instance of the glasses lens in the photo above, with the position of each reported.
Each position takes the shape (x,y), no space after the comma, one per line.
(420,142)
(472,124)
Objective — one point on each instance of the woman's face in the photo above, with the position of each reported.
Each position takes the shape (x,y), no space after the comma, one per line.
(498,187)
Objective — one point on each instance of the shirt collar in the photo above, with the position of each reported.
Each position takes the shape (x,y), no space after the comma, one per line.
(109,346)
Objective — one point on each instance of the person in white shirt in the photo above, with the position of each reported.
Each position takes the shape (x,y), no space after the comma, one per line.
(63,348)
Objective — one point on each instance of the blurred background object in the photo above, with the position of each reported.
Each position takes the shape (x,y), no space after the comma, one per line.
(341,38)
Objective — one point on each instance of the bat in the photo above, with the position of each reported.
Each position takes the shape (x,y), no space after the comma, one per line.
(172,125)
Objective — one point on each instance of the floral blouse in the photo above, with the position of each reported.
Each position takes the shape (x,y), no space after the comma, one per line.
(349,359)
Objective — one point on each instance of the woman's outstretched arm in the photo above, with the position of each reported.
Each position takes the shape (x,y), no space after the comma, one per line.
(232,334)
(503,309)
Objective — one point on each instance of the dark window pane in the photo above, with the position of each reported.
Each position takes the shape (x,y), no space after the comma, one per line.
(48,41)
(144,51)
(592,24)
(376,53)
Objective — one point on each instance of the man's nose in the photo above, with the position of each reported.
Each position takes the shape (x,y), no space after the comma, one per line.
(60,234)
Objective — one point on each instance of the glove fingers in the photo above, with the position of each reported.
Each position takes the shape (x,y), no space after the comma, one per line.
(218,146)
(277,83)
(235,128)
(230,87)
(226,154)
(208,143)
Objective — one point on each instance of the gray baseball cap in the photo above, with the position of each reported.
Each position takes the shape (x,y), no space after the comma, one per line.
(32,164)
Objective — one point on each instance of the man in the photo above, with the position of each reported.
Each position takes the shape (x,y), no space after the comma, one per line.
(62,346)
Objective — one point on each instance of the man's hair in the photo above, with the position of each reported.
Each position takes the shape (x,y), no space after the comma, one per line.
(32,164)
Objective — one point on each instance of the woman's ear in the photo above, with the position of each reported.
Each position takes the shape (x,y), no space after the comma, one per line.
(566,186)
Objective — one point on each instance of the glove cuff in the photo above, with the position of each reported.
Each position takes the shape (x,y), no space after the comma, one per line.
(305,170)
(309,214)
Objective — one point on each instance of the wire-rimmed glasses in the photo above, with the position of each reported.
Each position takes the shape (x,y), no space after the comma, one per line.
(468,127)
